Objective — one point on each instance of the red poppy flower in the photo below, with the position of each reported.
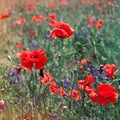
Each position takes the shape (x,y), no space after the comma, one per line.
(91,22)
(90,25)
(58,33)
(35,57)
(81,84)
(87,2)
(62,30)
(52,16)
(111,74)
(32,34)
(35,19)
(83,62)
(93,96)
(4,16)
(97,4)
(101,21)
(2,104)
(104,94)
(89,81)
(19,46)
(75,94)
(98,26)
(110,70)
(63,2)
(47,78)
(8,9)
(105,6)
(109,67)
(53,88)
(26,4)
(41,17)
(52,6)
(52,23)
(88,89)
(31,6)
(112,3)
(21,21)
(86,84)
(61,91)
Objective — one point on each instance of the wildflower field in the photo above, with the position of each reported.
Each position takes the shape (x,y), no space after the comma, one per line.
(59,60)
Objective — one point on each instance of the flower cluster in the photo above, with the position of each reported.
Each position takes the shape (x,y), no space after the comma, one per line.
(104,93)
(97,23)
(38,18)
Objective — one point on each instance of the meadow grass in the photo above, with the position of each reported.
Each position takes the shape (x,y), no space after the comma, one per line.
(31,100)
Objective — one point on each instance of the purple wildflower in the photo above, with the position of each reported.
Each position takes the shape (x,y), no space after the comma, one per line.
(84,33)
(37,101)
(99,33)
(34,46)
(46,36)
(65,84)
(64,77)
(55,117)
(14,78)
(107,78)
(70,78)
(60,18)
(111,19)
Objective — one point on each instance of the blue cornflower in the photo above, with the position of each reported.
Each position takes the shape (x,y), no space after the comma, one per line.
(34,46)
(55,117)
(107,78)
(65,84)
(47,37)
(111,19)
(84,32)
(37,101)
(60,18)
(14,78)
(64,77)
(99,33)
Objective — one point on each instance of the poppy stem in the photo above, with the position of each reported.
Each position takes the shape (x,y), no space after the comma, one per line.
(41,73)
(83,100)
